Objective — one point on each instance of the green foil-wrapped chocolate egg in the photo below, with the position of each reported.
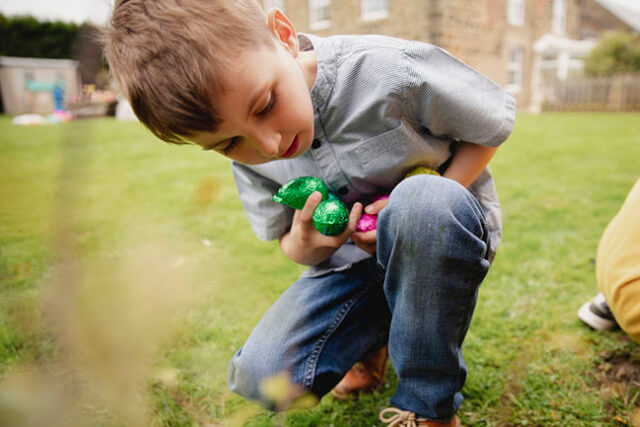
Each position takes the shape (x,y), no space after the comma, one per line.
(330,217)
(296,192)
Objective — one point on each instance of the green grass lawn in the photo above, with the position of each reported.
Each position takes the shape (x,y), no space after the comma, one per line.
(129,276)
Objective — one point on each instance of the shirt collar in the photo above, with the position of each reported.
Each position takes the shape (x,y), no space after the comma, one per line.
(326,73)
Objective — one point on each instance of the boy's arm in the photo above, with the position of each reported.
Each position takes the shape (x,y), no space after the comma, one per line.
(304,244)
(470,159)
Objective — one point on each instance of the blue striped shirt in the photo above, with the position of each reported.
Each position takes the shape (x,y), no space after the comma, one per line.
(382,107)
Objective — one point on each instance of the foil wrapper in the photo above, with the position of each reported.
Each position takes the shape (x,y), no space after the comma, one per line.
(421,170)
(296,192)
(368,222)
(330,217)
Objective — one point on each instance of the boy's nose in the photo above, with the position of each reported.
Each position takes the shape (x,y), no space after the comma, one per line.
(269,143)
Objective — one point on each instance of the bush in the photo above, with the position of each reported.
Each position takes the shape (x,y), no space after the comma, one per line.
(27,37)
(618,52)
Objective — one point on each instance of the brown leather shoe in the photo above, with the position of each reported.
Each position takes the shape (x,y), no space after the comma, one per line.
(365,376)
(395,417)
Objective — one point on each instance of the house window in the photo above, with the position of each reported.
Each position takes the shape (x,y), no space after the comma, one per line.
(559,22)
(514,69)
(319,14)
(374,9)
(280,4)
(515,12)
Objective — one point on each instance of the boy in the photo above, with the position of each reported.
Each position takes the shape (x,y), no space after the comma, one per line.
(358,112)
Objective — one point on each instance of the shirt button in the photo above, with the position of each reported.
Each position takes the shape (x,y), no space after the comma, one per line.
(316,143)
(342,191)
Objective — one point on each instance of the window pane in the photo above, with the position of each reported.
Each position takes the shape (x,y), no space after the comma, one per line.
(373,6)
(319,14)
(280,4)
(515,12)
(514,67)
(559,16)
(374,9)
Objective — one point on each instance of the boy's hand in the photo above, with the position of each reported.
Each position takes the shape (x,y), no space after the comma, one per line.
(367,241)
(306,245)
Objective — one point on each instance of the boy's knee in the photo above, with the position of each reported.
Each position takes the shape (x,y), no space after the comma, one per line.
(432,199)
(262,381)
(263,360)
(248,371)
(242,378)
(433,216)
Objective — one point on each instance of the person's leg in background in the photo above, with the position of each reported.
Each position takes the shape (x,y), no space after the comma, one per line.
(618,264)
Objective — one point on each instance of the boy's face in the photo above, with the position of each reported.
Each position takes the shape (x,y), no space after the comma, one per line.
(266,108)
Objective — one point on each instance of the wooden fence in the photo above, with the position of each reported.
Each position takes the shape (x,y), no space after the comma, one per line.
(618,93)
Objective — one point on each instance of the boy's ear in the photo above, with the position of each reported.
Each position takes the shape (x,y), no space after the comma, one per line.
(283,31)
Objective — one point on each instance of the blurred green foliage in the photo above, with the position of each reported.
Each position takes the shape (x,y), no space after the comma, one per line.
(25,36)
(618,52)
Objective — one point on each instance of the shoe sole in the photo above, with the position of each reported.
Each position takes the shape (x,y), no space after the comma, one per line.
(593,320)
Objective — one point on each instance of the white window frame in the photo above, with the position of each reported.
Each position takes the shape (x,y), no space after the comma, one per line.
(317,20)
(280,4)
(373,10)
(559,18)
(515,12)
(515,66)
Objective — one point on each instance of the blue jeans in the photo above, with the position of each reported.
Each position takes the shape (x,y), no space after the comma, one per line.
(418,294)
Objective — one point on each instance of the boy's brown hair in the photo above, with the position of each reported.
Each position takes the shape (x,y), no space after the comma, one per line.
(169,58)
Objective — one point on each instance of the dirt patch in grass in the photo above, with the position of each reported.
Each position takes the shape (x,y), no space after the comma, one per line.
(617,368)
(617,377)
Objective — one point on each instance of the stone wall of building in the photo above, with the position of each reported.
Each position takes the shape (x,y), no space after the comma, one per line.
(475,31)
(407,19)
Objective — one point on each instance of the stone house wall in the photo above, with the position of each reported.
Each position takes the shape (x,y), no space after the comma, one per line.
(475,31)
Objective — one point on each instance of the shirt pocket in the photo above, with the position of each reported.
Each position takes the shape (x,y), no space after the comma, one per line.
(385,159)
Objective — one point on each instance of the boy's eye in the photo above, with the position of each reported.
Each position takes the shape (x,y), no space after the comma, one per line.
(225,148)
(266,110)
(233,142)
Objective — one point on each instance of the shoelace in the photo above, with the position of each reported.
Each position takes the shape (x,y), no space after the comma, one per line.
(398,418)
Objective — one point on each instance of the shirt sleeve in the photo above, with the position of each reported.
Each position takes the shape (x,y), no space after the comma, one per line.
(269,220)
(451,99)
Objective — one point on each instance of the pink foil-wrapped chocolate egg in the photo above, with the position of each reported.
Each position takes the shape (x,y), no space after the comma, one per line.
(367,222)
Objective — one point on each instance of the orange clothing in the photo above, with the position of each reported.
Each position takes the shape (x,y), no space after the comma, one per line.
(618,264)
